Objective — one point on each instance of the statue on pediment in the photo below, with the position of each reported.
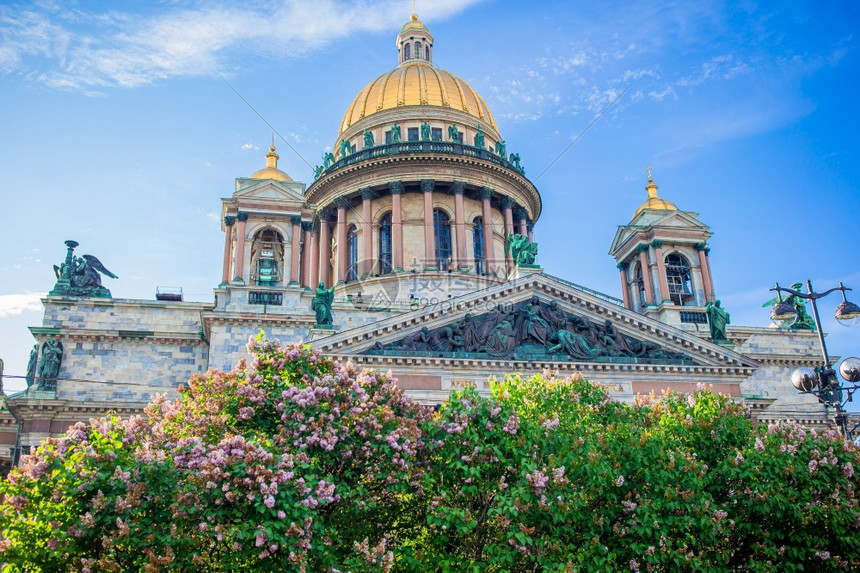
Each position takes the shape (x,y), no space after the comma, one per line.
(501,341)
(573,345)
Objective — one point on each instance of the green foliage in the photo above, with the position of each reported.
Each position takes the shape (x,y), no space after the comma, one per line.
(296,463)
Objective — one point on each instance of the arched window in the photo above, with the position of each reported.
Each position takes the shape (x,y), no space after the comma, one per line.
(442,231)
(267,258)
(639,285)
(427,53)
(352,254)
(385,244)
(678,278)
(407,51)
(478,245)
(418,50)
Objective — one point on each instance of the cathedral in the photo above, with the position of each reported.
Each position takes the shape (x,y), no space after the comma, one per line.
(411,251)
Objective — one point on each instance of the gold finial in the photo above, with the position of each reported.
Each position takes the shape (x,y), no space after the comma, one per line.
(272,148)
(272,157)
(650,179)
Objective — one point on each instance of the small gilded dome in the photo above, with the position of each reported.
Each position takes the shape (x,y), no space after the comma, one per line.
(415,83)
(415,24)
(271,170)
(654,203)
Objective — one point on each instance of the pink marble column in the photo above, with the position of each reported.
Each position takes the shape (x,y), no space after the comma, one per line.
(705,267)
(367,259)
(307,255)
(663,295)
(507,213)
(228,248)
(522,218)
(296,220)
(314,259)
(325,250)
(429,235)
(239,265)
(342,251)
(487,217)
(530,228)
(396,188)
(625,287)
(458,188)
(646,273)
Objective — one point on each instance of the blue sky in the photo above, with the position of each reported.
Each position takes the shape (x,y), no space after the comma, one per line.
(118,129)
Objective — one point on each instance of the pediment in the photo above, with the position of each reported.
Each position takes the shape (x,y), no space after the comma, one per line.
(269,189)
(514,322)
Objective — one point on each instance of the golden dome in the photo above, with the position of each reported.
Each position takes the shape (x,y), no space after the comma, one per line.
(654,203)
(415,24)
(417,82)
(271,170)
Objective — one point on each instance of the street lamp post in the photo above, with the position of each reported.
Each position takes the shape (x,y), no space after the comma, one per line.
(823,382)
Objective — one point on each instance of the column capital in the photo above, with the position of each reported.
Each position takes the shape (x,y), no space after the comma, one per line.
(507,202)
(307,226)
(530,225)
(657,244)
(367,193)
(395,187)
(702,247)
(486,193)
(341,202)
(521,213)
(296,219)
(241,216)
(622,266)
(642,248)
(458,188)
(324,214)
(229,220)
(427,185)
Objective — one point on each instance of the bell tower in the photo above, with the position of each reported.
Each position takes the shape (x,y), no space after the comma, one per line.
(662,259)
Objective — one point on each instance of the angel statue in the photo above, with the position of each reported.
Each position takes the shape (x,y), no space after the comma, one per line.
(523,251)
(804,321)
(79,276)
(321,305)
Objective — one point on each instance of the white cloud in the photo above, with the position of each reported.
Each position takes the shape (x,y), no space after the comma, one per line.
(250,146)
(120,49)
(12,304)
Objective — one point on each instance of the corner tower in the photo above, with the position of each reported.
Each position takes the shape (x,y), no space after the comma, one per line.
(662,257)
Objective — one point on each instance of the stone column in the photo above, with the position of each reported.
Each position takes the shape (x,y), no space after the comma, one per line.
(521,215)
(239,264)
(342,204)
(314,259)
(625,287)
(396,189)
(663,295)
(367,260)
(705,265)
(296,220)
(642,249)
(458,188)
(530,226)
(228,248)
(325,250)
(429,234)
(507,205)
(307,255)
(487,217)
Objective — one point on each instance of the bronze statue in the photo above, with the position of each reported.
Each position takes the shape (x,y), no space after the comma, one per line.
(515,160)
(318,171)
(572,344)
(395,133)
(718,318)
(32,363)
(425,131)
(321,305)
(501,149)
(49,366)
(613,339)
(501,341)
(804,321)
(523,251)
(345,148)
(79,276)
(479,137)
(328,160)
(368,138)
(454,133)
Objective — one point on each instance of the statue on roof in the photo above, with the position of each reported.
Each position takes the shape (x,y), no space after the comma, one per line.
(515,161)
(395,133)
(318,171)
(80,276)
(718,318)
(479,137)
(32,364)
(523,251)
(328,160)
(321,305)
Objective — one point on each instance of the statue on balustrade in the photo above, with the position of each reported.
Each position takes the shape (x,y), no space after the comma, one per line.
(318,171)
(395,133)
(454,133)
(368,138)
(345,148)
(515,160)
(501,149)
(328,160)
(425,131)
(479,137)
(321,305)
